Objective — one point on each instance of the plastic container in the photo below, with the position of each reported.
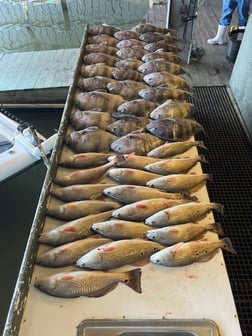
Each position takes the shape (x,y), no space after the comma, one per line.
(234,42)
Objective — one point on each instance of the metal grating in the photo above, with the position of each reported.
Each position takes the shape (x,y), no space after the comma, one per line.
(230,163)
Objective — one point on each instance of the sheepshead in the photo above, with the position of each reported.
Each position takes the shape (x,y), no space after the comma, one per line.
(94,83)
(130,43)
(126,35)
(88,175)
(137,107)
(166,79)
(167,55)
(134,161)
(73,230)
(91,139)
(174,165)
(174,129)
(79,192)
(128,64)
(98,100)
(139,211)
(131,176)
(150,37)
(153,46)
(174,148)
(187,253)
(148,27)
(83,160)
(103,39)
(159,65)
(121,74)
(173,234)
(84,119)
(98,69)
(127,89)
(67,254)
(84,283)
(94,58)
(160,94)
(172,109)
(77,209)
(136,142)
(131,52)
(130,193)
(183,213)
(118,253)
(127,124)
(103,29)
(178,183)
(121,229)
(100,48)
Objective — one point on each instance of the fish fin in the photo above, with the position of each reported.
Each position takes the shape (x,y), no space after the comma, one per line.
(219,208)
(209,256)
(134,280)
(141,262)
(203,159)
(228,245)
(103,291)
(201,145)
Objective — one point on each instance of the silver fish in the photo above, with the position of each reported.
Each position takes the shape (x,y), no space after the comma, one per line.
(173,234)
(183,213)
(77,209)
(174,148)
(172,109)
(121,229)
(136,142)
(77,229)
(160,94)
(83,160)
(130,193)
(127,124)
(137,107)
(118,253)
(103,101)
(178,183)
(160,64)
(139,211)
(131,176)
(174,165)
(164,78)
(67,254)
(86,283)
(94,83)
(174,129)
(83,119)
(88,175)
(127,89)
(79,192)
(182,254)
(91,139)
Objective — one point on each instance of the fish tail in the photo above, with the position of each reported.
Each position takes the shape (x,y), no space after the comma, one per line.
(227,245)
(134,279)
(203,159)
(219,208)
(216,227)
(209,177)
(201,144)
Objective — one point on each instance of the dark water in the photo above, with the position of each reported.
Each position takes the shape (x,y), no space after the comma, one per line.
(44,25)
(18,201)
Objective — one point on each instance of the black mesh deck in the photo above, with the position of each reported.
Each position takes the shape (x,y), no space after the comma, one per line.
(230,163)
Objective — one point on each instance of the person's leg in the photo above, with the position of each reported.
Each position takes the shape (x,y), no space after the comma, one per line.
(228,7)
(243,12)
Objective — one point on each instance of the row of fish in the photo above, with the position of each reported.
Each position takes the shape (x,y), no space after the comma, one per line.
(122,191)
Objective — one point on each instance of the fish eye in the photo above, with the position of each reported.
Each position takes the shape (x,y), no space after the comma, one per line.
(126,280)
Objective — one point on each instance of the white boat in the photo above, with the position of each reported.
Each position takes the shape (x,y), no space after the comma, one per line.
(21,146)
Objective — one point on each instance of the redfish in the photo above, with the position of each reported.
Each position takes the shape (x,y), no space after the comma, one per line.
(118,253)
(85,283)
(131,176)
(83,160)
(183,213)
(187,253)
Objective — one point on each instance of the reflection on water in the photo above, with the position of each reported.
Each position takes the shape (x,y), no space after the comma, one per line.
(27,25)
